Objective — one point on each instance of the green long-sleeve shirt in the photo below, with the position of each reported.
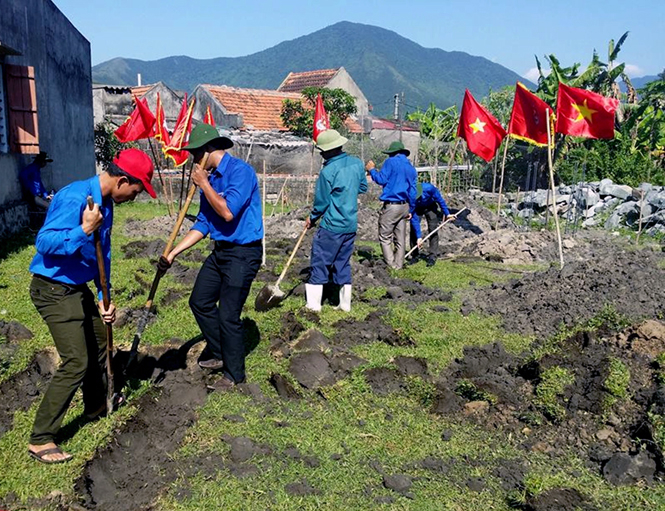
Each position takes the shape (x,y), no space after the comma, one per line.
(341,180)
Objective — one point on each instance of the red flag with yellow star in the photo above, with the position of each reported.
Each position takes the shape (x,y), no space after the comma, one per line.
(180,135)
(583,113)
(161,131)
(481,131)
(140,124)
(528,118)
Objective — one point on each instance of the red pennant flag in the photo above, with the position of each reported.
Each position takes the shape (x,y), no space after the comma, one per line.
(161,131)
(140,124)
(180,135)
(482,132)
(321,121)
(208,118)
(583,113)
(528,121)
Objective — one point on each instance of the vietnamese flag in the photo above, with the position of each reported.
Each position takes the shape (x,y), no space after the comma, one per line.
(161,131)
(321,121)
(481,131)
(582,113)
(180,135)
(208,118)
(140,124)
(528,120)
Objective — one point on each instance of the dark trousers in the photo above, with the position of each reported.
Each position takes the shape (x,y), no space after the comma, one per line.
(80,337)
(218,297)
(331,250)
(434,216)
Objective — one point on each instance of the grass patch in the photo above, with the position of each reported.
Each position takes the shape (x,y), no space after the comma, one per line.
(616,383)
(552,383)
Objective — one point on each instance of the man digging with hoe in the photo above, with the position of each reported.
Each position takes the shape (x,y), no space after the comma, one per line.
(231,214)
(65,262)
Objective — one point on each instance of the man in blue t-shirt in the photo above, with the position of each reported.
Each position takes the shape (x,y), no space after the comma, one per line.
(398,178)
(341,180)
(31,182)
(62,267)
(230,214)
(431,205)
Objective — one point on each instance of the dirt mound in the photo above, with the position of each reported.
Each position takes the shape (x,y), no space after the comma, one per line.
(373,329)
(138,464)
(158,226)
(22,389)
(539,303)
(597,395)
(13,331)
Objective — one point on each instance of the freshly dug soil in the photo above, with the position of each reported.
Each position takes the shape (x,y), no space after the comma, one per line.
(633,282)
(132,470)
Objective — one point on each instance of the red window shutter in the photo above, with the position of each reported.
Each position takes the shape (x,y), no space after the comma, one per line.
(22,107)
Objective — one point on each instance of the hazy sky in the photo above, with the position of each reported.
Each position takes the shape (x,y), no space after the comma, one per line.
(508,32)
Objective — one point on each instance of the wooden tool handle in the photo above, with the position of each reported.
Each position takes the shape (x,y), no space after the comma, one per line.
(288,263)
(100,261)
(435,230)
(182,213)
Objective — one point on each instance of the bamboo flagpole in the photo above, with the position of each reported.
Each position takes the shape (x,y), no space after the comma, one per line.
(549,163)
(450,166)
(169,205)
(503,170)
(263,214)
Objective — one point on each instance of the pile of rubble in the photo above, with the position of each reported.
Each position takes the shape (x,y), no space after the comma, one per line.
(595,204)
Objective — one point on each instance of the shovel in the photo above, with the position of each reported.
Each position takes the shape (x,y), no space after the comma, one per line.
(143,319)
(111,396)
(271,296)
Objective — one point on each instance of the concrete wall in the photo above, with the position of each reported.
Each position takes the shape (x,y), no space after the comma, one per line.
(342,80)
(61,58)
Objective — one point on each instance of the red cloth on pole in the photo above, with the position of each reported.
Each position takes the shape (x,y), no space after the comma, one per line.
(180,135)
(321,121)
(161,130)
(208,118)
(528,120)
(140,124)
(481,131)
(582,113)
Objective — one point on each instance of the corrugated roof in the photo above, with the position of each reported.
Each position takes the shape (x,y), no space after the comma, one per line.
(259,108)
(296,82)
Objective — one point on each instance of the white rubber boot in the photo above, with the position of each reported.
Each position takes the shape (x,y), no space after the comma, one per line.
(313,293)
(345,298)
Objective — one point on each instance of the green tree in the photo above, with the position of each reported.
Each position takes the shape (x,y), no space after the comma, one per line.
(438,129)
(107,145)
(298,116)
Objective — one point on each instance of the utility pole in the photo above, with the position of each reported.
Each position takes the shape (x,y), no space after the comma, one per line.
(397,113)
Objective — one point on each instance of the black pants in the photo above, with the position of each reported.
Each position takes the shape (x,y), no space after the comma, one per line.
(219,295)
(80,338)
(434,216)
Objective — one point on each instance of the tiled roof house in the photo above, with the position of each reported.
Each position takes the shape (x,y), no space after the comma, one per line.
(337,78)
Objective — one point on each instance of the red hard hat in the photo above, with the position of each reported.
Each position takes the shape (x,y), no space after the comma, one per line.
(139,165)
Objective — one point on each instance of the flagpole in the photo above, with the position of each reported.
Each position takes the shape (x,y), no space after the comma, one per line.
(549,163)
(263,214)
(503,169)
(182,184)
(450,166)
(161,179)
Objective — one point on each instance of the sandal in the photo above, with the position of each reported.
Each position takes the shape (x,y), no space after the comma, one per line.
(39,455)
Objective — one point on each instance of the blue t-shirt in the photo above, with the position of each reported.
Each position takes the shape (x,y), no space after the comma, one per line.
(31,180)
(236,181)
(341,179)
(430,195)
(65,253)
(398,178)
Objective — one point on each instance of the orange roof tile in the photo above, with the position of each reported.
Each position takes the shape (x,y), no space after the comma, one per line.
(353,126)
(259,108)
(296,82)
(140,90)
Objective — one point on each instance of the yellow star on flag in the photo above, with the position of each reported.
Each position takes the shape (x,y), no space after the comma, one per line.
(584,112)
(477,126)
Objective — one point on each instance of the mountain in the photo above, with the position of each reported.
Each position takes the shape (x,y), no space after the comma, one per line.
(638,82)
(380,61)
